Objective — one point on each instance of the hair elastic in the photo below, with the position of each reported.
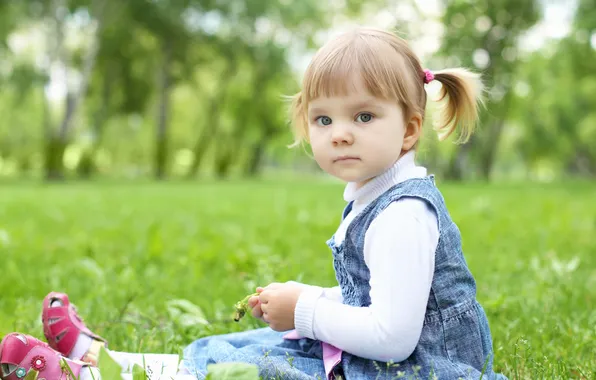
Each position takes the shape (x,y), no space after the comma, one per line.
(428,76)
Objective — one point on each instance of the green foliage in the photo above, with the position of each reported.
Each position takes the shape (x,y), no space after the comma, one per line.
(123,252)
(32,375)
(493,27)
(484,36)
(138,373)
(227,65)
(232,371)
(185,313)
(559,128)
(109,368)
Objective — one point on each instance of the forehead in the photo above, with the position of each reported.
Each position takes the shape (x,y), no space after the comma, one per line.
(346,103)
(357,100)
(350,89)
(356,64)
(343,81)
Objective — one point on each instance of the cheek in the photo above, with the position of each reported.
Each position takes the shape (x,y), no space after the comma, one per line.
(319,152)
(385,136)
(316,142)
(312,136)
(385,144)
(395,135)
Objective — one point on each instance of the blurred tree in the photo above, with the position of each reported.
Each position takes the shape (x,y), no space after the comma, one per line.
(195,34)
(484,34)
(19,81)
(557,99)
(236,56)
(256,37)
(58,140)
(123,81)
(580,51)
(143,37)
(267,84)
(196,86)
(222,75)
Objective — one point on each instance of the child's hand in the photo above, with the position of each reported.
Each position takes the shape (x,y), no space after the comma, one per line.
(255,305)
(277,303)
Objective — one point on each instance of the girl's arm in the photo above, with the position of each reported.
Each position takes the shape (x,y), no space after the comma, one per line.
(333,294)
(399,251)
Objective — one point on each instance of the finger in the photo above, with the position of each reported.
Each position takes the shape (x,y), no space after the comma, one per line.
(260,289)
(253,301)
(273,285)
(257,312)
(265,296)
(264,307)
(266,318)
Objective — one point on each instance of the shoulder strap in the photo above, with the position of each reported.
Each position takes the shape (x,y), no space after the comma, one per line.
(347,210)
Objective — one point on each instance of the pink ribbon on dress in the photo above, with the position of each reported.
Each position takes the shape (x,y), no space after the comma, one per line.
(331,354)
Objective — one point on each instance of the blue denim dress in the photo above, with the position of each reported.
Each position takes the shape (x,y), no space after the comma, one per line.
(455,342)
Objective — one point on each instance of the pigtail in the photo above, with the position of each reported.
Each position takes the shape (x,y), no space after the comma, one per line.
(462,92)
(298,119)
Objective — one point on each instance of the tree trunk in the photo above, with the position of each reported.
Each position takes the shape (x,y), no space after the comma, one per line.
(48,140)
(210,128)
(483,146)
(208,132)
(228,149)
(489,153)
(51,145)
(202,143)
(458,162)
(58,143)
(256,156)
(161,140)
(257,153)
(257,117)
(87,166)
(54,153)
(224,158)
(258,149)
(582,163)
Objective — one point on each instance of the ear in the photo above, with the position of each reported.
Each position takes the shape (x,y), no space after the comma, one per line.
(413,129)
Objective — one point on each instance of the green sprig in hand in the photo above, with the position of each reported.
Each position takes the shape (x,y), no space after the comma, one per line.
(241,307)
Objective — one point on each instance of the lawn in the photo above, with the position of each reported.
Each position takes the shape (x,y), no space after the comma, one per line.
(123,252)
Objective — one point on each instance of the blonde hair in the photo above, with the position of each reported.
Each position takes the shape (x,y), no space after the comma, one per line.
(390,70)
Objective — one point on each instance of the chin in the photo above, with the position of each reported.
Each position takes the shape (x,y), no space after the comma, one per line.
(354,178)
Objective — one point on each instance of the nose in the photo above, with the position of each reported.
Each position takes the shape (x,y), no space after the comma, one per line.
(341,134)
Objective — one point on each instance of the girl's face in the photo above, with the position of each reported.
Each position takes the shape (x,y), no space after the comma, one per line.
(357,136)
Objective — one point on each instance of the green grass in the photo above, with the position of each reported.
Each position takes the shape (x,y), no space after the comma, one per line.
(123,251)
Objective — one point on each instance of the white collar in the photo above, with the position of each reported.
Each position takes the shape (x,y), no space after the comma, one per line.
(403,169)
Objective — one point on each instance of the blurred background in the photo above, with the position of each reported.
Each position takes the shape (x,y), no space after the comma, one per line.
(165,89)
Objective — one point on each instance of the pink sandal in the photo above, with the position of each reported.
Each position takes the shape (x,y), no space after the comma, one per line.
(62,326)
(19,354)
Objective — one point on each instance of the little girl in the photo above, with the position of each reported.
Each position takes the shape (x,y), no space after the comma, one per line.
(405,305)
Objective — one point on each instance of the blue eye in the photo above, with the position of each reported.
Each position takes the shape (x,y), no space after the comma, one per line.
(323,120)
(364,117)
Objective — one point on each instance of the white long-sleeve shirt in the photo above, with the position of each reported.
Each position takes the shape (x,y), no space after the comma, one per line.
(399,251)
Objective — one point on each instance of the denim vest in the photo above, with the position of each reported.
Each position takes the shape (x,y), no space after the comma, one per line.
(456,340)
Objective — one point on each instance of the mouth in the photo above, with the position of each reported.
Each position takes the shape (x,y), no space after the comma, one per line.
(346,159)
